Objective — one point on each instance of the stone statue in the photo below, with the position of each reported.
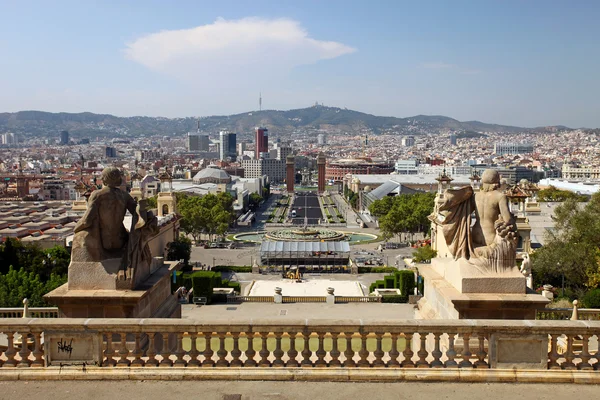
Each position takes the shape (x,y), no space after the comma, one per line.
(100,233)
(526,270)
(489,244)
(101,240)
(143,227)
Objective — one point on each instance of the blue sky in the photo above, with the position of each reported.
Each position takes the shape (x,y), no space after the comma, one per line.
(526,63)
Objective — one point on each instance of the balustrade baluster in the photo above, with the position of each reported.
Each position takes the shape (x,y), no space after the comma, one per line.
(278,353)
(553,354)
(569,356)
(123,352)
(24,352)
(292,352)
(378,353)
(137,352)
(250,353)
(321,351)
(408,353)
(109,352)
(180,353)
(306,353)
(208,352)
(349,353)
(481,353)
(194,353)
(466,353)
(38,353)
(335,353)
(235,352)
(264,351)
(165,353)
(451,352)
(585,354)
(422,353)
(363,352)
(394,353)
(151,352)
(436,353)
(222,352)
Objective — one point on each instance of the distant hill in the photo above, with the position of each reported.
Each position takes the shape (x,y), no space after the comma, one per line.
(333,119)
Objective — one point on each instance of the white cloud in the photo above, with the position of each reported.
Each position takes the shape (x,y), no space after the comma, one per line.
(249,48)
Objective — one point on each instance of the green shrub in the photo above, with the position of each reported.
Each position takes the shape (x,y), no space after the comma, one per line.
(376,270)
(236,287)
(372,287)
(236,268)
(406,282)
(592,299)
(394,298)
(203,284)
(390,281)
(380,284)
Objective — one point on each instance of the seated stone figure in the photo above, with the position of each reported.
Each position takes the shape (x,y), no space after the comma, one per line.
(100,234)
(489,244)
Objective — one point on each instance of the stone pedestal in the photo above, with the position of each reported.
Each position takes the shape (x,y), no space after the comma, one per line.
(442,300)
(152,298)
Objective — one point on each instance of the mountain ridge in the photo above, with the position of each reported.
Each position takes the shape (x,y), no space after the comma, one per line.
(333,119)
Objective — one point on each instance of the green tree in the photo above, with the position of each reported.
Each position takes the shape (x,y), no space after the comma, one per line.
(552,194)
(180,249)
(424,254)
(254,200)
(210,214)
(572,248)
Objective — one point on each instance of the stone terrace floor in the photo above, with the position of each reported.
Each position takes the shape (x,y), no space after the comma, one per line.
(259,390)
(364,311)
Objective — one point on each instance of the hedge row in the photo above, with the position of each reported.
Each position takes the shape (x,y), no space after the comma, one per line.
(203,283)
(376,270)
(403,280)
(236,268)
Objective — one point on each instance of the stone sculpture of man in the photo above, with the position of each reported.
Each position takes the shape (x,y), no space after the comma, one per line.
(490,243)
(100,234)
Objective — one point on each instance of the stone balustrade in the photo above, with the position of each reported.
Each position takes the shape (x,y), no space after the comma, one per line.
(590,314)
(33,312)
(304,299)
(338,344)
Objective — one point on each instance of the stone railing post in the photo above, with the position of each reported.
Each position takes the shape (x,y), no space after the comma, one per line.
(330,299)
(574,316)
(278,297)
(25,308)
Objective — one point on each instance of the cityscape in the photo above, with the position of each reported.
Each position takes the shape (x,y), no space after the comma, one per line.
(259,202)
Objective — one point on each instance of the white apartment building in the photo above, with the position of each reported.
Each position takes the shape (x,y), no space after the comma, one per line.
(273,168)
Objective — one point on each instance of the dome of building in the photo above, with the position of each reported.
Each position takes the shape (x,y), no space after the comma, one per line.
(211,175)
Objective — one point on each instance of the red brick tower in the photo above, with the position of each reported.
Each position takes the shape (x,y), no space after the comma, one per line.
(321,172)
(290,173)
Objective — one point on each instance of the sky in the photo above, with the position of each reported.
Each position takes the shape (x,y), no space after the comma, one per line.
(524,63)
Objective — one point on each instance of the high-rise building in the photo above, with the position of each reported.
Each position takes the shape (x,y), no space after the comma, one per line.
(274,169)
(408,141)
(452,139)
(321,139)
(261,142)
(282,151)
(110,152)
(192,142)
(64,138)
(228,144)
(241,148)
(8,138)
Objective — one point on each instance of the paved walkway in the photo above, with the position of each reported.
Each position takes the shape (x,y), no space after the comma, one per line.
(258,390)
(233,312)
